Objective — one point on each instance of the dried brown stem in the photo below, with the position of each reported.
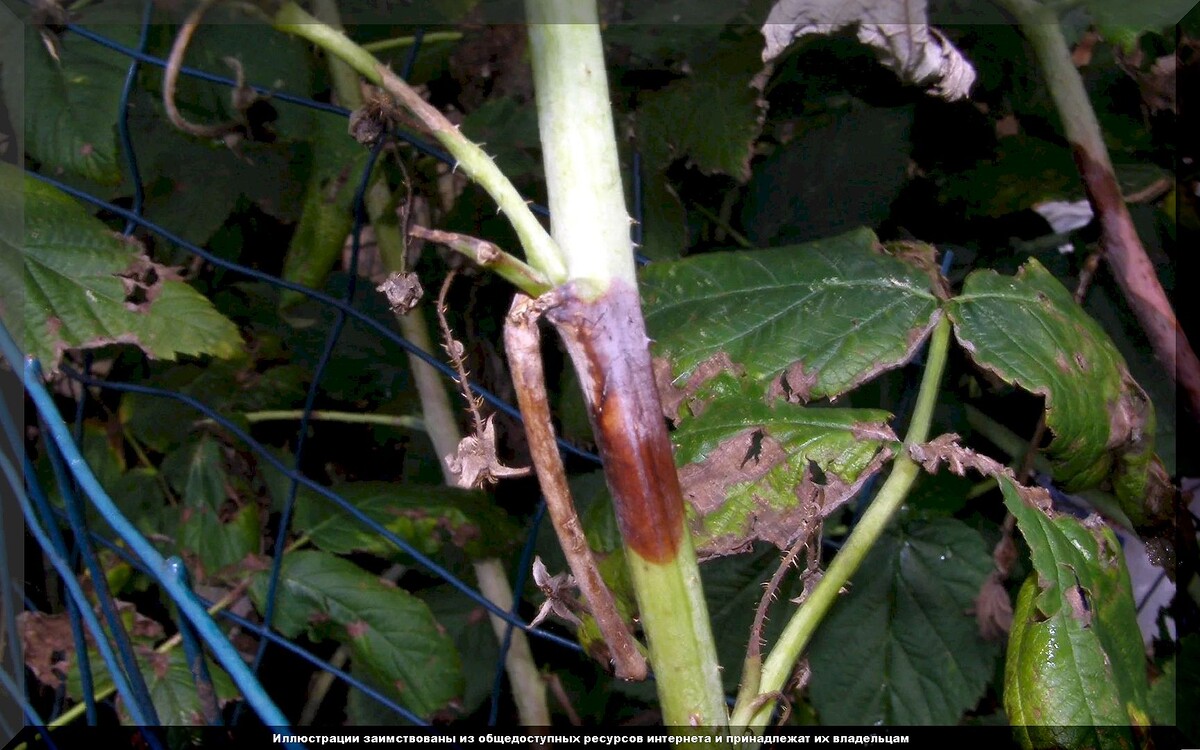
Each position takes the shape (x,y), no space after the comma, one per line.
(171,79)
(523,344)
(454,349)
(1123,249)
(1137,278)
(754,648)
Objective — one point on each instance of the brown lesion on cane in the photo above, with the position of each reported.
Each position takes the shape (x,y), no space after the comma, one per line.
(523,344)
(607,341)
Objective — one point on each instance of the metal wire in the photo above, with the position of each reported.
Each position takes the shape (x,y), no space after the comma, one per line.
(224,651)
(76,481)
(325,492)
(384,332)
(335,332)
(126,138)
(193,651)
(257,630)
(53,553)
(99,583)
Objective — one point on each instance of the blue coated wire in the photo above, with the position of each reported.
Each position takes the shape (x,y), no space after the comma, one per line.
(222,649)
(193,652)
(639,205)
(131,162)
(498,403)
(74,591)
(300,101)
(100,585)
(413,51)
(31,714)
(518,585)
(324,665)
(325,492)
(278,640)
(86,680)
(202,75)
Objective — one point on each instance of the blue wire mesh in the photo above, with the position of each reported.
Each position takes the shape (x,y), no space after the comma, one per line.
(78,487)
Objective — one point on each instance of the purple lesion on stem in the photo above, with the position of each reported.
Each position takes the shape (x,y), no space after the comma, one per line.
(606,337)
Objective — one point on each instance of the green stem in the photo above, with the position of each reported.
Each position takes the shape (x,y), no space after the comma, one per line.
(589,220)
(488,255)
(345,417)
(800,629)
(734,234)
(600,320)
(540,249)
(407,41)
(1123,249)
(528,688)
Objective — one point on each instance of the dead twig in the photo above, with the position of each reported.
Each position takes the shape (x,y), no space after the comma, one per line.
(523,344)
(475,461)
(244,97)
(455,350)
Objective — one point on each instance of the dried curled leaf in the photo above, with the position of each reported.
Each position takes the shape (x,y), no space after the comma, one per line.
(993,609)
(559,591)
(403,291)
(476,463)
(945,449)
(895,29)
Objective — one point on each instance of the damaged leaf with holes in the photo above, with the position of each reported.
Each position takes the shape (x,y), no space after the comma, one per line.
(87,287)
(806,321)
(753,471)
(1028,330)
(391,634)
(50,655)
(1075,674)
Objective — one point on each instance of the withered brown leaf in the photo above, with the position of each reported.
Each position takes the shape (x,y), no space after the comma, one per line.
(475,463)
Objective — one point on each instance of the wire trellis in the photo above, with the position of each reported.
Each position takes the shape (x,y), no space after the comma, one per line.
(198,630)
(79,487)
